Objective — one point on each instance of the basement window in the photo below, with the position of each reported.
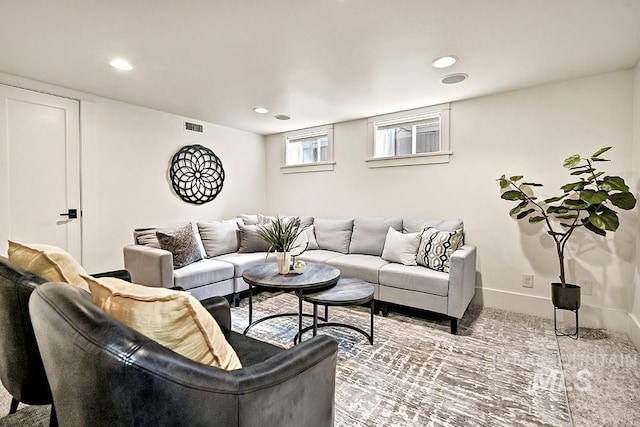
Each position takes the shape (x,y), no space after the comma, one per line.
(406,138)
(308,150)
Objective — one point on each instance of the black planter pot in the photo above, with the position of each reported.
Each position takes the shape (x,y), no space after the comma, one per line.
(565,298)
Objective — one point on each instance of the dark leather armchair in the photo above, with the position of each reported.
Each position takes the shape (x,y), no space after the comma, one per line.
(104,373)
(21,369)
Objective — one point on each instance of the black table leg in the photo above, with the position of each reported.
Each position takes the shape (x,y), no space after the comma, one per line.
(315,319)
(299,293)
(372,310)
(250,304)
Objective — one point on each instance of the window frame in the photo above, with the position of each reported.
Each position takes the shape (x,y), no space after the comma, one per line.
(441,110)
(306,133)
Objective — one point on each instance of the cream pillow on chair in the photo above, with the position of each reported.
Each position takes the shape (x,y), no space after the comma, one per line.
(50,263)
(174,319)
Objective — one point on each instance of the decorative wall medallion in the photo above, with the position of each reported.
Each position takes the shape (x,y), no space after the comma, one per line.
(196,174)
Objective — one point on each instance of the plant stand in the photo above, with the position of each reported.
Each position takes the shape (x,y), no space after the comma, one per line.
(555,324)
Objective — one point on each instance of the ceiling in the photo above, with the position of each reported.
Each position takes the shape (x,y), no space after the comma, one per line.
(318,61)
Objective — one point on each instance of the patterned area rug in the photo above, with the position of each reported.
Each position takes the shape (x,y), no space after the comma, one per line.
(416,374)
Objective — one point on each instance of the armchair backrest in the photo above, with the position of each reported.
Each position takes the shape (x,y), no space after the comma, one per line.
(21,369)
(105,373)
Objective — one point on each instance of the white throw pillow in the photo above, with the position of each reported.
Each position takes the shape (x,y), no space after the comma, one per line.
(401,248)
(436,247)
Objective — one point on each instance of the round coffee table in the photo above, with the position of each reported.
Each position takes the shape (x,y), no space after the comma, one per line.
(316,276)
(348,291)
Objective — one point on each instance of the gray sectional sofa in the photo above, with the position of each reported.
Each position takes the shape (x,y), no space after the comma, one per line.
(355,246)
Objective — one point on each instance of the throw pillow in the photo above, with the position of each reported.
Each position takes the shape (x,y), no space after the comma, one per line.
(182,244)
(369,234)
(220,237)
(250,240)
(401,247)
(174,319)
(50,263)
(147,236)
(248,219)
(333,234)
(311,238)
(436,247)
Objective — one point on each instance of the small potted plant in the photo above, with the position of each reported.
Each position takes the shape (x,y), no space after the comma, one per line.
(590,201)
(283,236)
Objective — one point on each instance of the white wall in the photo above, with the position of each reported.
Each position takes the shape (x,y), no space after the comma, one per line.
(528,131)
(126,152)
(634,316)
(126,176)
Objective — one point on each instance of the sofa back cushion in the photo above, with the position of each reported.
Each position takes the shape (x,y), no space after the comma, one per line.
(220,237)
(369,234)
(250,240)
(333,234)
(417,225)
(147,236)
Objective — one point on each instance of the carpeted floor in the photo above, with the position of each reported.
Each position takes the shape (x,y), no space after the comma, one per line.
(503,369)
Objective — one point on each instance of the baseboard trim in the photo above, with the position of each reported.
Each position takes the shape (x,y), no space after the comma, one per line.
(590,316)
(633,330)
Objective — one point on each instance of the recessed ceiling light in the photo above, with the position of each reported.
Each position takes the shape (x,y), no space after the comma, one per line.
(454,78)
(121,65)
(282,117)
(444,61)
(260,110)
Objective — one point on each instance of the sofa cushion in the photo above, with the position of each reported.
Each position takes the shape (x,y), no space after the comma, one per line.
(174,319)
(220,237)
(50,263)
(401,247)
(414,278)
(147,236)
(202,273)
(333,234)
(182,244)
(311,238)
(415,225)
(365,267)
(249,219)
(318,255)
(369,234)
(436,247)
(242,261)
(250,240)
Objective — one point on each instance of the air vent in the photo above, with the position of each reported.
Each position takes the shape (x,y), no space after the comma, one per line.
(193,127)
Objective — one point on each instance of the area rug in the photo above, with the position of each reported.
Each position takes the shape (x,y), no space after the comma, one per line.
(496,372)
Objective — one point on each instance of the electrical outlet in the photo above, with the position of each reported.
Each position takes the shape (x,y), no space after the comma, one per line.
(586,287)
(527,280)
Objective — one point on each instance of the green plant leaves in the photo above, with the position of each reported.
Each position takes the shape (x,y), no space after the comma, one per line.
(519,207)
(513,195)
(504,182)
(593,197)
(606,220)
(534,219)
(600,151)
(624,200)
(613,183)
(573,204)
(525,213)
(516,178)
(555,199)
(572,161)
(574,186)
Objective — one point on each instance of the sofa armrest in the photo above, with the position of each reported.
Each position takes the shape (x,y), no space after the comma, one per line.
(219,309)
(462,280)
(118,274)
(149,266)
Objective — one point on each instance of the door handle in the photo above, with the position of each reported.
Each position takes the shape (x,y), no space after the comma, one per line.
(71,213)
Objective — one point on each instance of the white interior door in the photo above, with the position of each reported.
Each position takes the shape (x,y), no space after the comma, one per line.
(39,169)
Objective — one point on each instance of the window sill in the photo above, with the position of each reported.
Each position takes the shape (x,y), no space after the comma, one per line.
(413,160)
(315,167)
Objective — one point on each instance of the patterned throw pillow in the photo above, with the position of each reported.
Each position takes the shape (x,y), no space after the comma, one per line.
(436,248)
(182,244)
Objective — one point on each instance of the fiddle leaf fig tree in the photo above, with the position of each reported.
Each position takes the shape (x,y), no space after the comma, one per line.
(589,201)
